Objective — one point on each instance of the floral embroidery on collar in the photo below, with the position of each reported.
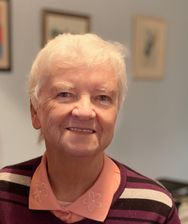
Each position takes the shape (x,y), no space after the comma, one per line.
(39,192)
(93,201)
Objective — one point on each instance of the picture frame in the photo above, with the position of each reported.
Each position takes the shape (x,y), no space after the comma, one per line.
(149,47)
(57,22)
(5,57)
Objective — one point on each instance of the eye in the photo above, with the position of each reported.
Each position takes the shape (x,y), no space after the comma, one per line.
(104,99)
(65,96)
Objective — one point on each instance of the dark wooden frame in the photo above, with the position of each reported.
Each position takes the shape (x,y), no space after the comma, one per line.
(63,22)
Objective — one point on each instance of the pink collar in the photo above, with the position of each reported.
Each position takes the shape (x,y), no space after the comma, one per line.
(93,204)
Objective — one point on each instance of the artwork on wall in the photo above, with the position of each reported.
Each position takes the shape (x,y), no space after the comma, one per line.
(5,35)
(149,47)
(58,22)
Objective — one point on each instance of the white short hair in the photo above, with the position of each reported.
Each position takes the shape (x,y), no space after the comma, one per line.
(67,51)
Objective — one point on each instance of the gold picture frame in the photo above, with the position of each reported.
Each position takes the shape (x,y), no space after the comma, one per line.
(5,61)
(56,22)
(149,47)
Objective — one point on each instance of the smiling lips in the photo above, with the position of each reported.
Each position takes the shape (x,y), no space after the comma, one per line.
(81,130)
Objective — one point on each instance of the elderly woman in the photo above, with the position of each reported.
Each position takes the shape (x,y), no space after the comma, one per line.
(77,85)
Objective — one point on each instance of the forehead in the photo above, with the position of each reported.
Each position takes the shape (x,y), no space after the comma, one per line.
(95,78)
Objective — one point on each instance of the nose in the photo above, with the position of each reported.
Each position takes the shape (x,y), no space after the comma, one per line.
(83,109)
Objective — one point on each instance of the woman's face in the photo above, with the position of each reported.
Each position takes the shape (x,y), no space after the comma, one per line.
(77,111)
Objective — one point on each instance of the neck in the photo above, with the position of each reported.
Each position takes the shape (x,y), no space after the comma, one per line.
(70,177)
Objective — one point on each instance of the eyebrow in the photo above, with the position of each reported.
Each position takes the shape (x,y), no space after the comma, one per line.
(106,90)
(62,85)
(65,86)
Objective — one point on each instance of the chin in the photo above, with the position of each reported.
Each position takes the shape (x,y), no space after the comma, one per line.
(81,151)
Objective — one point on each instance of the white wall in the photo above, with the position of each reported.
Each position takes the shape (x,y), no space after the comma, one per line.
(152,130)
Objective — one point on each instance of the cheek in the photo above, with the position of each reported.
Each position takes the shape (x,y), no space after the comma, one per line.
(107,132)
(49,115)
(108,122)
(56,115)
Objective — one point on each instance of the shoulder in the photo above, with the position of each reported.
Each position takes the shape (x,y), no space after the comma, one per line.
(142,186)
(26,165)
(14,191)
(138,193)
(20,173)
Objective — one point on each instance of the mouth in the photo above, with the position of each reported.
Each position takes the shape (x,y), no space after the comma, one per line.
(81,130)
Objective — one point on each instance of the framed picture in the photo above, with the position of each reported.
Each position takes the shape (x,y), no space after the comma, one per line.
(149,47)
(5,35)
(58,22)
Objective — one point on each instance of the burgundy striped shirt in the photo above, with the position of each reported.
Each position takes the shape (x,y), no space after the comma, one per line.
(138,200)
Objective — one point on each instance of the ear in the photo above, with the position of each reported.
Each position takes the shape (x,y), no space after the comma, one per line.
(34,117)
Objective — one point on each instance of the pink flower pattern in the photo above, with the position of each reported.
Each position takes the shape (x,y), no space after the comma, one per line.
(39,192)
(93,201)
